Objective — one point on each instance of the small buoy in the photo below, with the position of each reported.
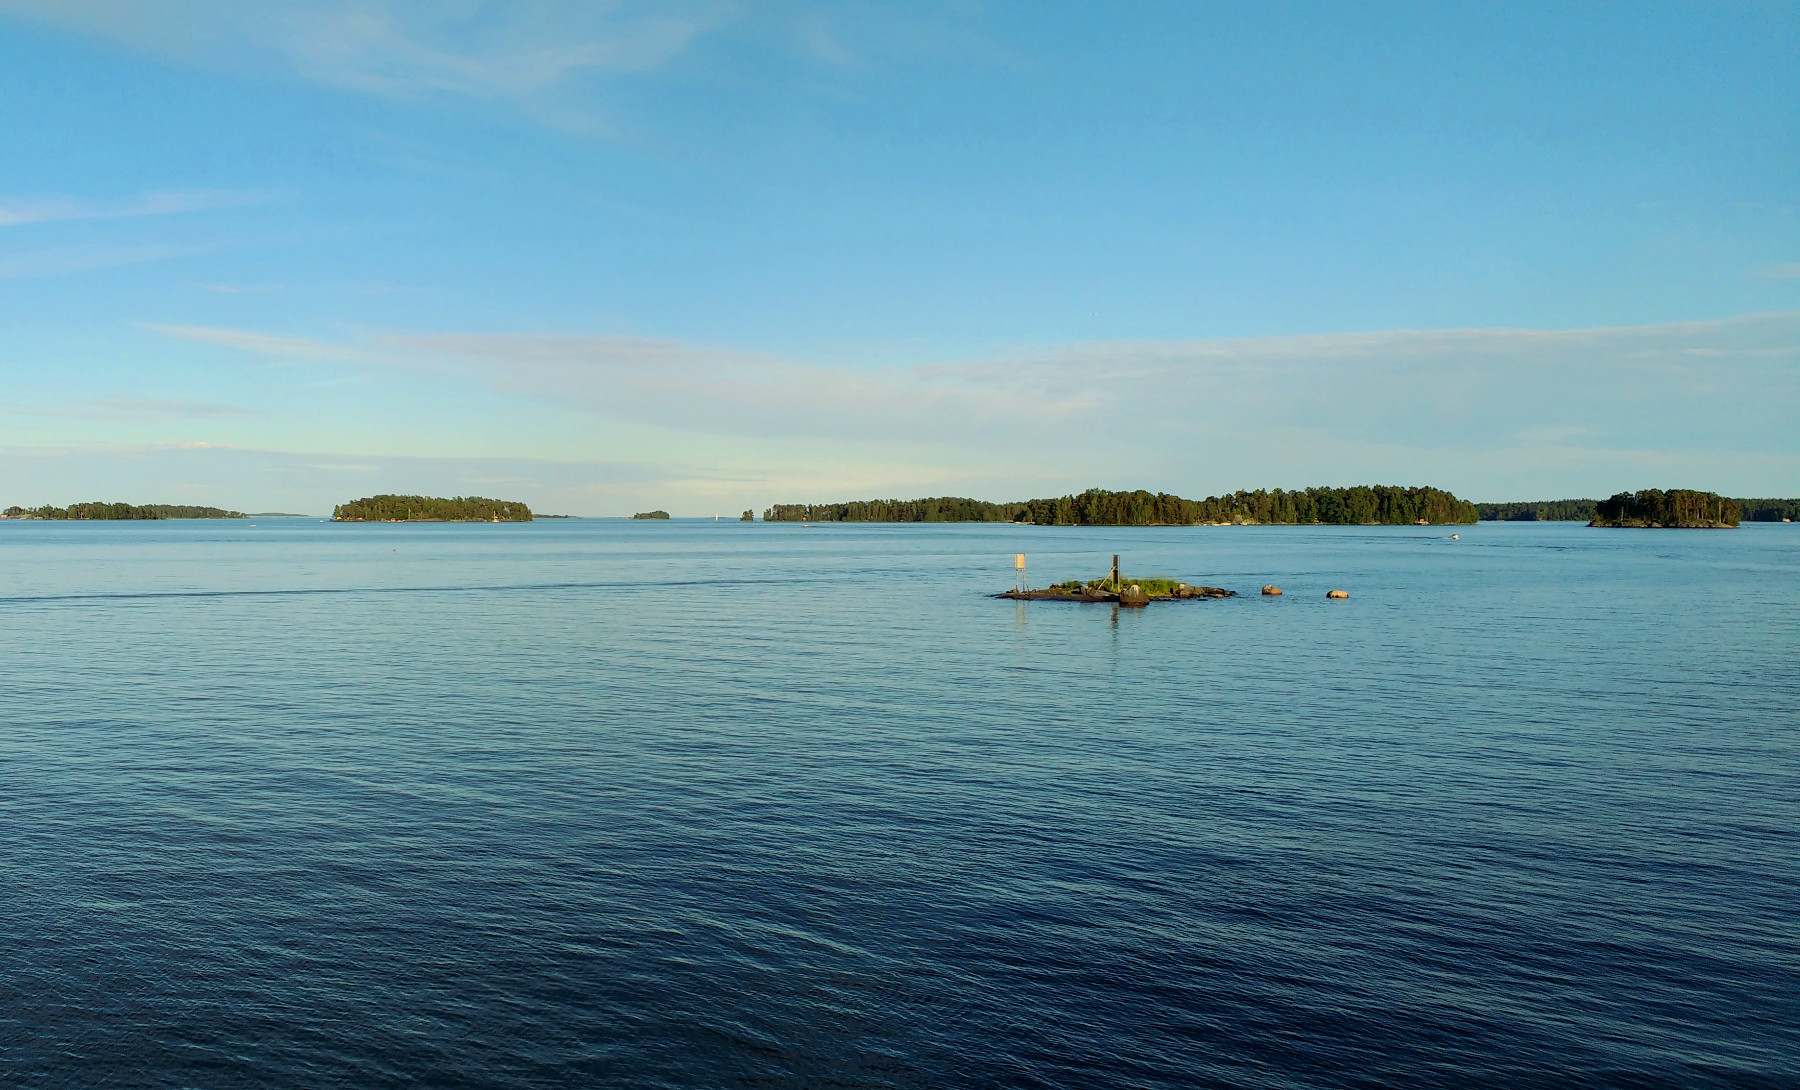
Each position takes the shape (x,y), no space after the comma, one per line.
(1337,594)
(1272,590)
(1455,537)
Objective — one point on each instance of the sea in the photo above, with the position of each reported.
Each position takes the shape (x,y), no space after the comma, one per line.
(697,803)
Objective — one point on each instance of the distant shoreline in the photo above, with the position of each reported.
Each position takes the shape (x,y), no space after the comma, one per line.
(1359,505)
(117,512)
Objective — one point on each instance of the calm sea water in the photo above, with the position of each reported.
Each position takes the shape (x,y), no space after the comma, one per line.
(598,803)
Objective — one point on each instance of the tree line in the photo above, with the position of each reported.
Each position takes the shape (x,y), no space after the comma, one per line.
(1538,511)
(1362,505)
(387,508)
(1678,507)
(117,512)
(1749,510)
(1769,510)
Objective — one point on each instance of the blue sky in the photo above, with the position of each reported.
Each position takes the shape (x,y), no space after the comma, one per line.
(708,256)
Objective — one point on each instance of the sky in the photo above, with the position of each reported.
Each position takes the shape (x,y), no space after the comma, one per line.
(610,256)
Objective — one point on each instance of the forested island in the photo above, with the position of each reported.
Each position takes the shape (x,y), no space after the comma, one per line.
(1678,508)
(1363,505)
(430,509)
(659,514)
(120,512)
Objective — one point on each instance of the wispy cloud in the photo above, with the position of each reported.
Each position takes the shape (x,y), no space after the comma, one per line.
(16,211)
(466,48)
(406,50)
(65,260)
(1789,271)
(272,345)
(133,408)
(1333,401)
(693,387)
(556,61)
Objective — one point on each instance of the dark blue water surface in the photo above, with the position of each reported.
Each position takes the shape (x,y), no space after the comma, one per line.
(599,803)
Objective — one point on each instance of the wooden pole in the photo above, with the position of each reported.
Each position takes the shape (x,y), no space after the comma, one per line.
(1115,573)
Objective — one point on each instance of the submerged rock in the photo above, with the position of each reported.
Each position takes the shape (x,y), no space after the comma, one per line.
(1272,590)
(1337,594)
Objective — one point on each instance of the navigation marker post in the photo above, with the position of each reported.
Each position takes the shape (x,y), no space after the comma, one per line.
(1019,566)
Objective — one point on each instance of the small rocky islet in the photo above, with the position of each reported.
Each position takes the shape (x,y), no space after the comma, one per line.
(1128,592)
(1114,588)
(1137,592)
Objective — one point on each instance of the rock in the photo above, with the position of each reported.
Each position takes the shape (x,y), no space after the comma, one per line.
(1337,594)
(1272,590)
(1134,596)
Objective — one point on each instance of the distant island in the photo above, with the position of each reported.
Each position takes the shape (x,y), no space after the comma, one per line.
(120,512)
(1363,505)
(1749,510)
(1538,511)
(651,515)
(1678,508)
(430,509)
(1768,510)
